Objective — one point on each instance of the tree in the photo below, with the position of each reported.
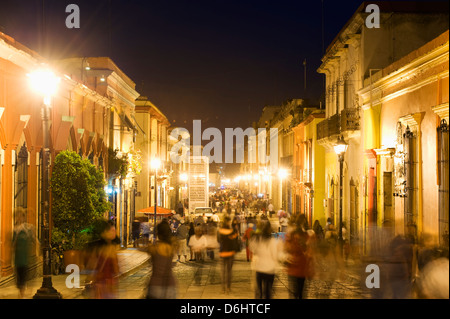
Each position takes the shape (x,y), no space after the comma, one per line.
(78,198)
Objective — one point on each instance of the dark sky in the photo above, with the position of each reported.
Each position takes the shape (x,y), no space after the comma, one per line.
(218,61)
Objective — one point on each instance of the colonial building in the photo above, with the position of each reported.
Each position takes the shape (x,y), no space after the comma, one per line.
(407,105)
(355,55)
(308,176)
(90,112)
(153,143)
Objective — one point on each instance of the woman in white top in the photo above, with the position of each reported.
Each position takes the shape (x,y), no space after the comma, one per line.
(266,255)
(198,244)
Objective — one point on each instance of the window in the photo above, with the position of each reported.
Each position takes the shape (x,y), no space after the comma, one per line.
(443,171)
(21,178)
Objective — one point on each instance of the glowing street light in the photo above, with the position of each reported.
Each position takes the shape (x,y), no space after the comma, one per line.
(183,177)
(45,82)
(340,147)
(282,173)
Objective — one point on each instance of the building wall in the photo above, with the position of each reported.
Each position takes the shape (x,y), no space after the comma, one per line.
(406,94)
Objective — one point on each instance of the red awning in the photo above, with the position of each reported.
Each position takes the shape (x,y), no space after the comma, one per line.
(159,211)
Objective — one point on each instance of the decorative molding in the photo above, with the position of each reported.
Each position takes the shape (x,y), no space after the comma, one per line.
(442,111)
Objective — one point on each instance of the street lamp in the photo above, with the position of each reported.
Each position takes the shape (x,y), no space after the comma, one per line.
(45,82)
(155,165)
(340,148)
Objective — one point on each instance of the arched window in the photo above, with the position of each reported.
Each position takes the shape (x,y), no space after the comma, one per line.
(21,178)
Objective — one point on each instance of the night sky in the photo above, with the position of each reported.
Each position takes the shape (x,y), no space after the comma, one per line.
(218,61)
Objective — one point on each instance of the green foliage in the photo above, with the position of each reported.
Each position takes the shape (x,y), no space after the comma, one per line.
(117,166)
(78,198)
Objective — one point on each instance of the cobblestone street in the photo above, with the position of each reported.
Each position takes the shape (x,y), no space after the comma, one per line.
(197,280)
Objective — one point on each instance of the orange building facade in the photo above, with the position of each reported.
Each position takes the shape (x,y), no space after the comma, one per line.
(90,112)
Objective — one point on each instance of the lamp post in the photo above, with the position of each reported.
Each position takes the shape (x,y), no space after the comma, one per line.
(155,164)
(45,82)
(340,148)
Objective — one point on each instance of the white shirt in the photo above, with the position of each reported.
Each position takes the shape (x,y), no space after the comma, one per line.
(266,255)
(197,244)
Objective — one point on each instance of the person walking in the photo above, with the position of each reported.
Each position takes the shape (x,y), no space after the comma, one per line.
(228,240)
(267,253)
(181,235)
(162,284)
(191,232)
(299,259)
(103,261)
(22,242)
(198,243)
(247,236)
(136,231)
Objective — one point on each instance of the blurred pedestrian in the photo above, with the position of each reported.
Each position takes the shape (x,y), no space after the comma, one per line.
(433,282)
(267,252)
(247,236)
(191,232)
(271,209)
(299,259)
(400,267)
(162,284)
(211,239)
(103,261)
(197,242)
(181,235)
(228,240)
(283,221)
(136,231)
(145,231)
(22,243)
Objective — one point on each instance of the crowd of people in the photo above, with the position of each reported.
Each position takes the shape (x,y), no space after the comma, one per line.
(408,268)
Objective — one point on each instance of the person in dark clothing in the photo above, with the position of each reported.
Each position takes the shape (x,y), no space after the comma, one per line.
(135,231)
(228,238)
(23,239)
(162,283)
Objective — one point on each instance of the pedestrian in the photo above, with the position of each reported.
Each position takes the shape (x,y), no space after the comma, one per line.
(162,283)
(136,231)
(198,243)
(271,209)
(299,259)
(247,236)
(267,252)
(345,242)
(191,232)
(211,239)
(329,222)
(22,243)
(180,209)
(145,231)
(283,222)
(181,235)
(215,218)
(228,240)
(103,261)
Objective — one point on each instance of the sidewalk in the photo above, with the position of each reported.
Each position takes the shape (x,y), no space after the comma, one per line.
(130,259)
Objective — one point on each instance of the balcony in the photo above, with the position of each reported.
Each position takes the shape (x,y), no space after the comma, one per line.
(347,123)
